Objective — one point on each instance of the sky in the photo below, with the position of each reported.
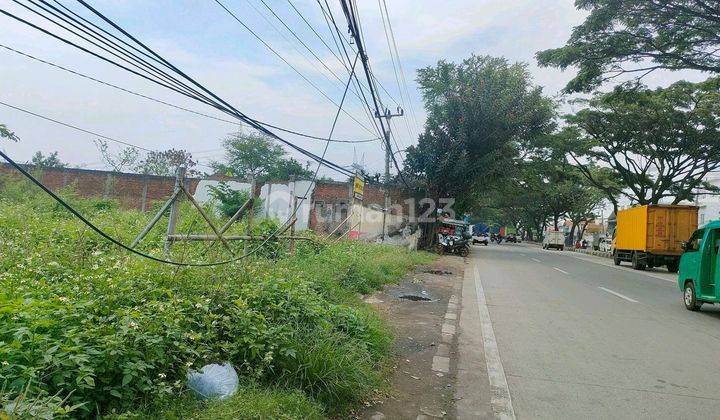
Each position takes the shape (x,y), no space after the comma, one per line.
(204,41)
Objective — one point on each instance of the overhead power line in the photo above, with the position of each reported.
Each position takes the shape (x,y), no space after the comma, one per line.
(269,47)
(402,72)
(118,243)
(102,136)
(344,51)
(162,102)
(97,230)
(92,133)
(354,28)
(327,15)
(305,56)
(204,96)
(395,70)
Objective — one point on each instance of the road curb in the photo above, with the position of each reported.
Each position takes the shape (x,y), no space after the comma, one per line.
(590,252)
(472,391)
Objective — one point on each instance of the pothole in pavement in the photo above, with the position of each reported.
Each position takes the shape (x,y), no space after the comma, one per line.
(412,292)
(437,272)
(415,298)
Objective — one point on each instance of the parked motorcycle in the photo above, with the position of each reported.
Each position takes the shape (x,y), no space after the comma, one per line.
(453,245)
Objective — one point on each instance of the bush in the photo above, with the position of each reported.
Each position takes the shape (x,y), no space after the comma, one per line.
(104,332)
(230,200)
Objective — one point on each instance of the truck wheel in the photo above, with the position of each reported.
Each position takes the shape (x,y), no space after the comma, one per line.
(636,263)
(562,248)
(672,266)
(616,258)
(689,297)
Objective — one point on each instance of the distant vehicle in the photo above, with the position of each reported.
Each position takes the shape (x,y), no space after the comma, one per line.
(605,245)
(553,239)
(481,238)
(698,267)
(512,238)
(652,235)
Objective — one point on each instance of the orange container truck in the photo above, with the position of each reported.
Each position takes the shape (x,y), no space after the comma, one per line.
(652,235)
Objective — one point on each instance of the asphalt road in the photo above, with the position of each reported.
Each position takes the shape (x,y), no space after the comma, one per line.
(578,337)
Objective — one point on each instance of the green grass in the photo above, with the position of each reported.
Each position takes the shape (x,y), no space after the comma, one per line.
(252,401)
(86,324)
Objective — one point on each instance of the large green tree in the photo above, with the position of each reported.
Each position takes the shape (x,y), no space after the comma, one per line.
(637,37)
(480,112)
(660,144)
(253,155)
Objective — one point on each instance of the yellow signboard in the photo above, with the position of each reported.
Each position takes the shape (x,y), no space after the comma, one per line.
(358,187)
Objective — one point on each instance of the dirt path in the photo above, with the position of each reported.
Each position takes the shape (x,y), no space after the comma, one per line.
(421,380)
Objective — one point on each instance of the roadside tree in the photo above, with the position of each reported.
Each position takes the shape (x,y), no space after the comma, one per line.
(253,155)
(479,113)
(636,37)
(660,144)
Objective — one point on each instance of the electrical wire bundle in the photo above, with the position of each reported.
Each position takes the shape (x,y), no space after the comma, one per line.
(128,53)
(123,50)
(109,42)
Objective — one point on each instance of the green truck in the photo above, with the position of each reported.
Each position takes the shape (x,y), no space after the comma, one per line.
(699,267)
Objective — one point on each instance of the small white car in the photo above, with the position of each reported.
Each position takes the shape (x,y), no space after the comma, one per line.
(482,238)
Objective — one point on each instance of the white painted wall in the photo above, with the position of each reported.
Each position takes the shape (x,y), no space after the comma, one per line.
(371,220)
(276,198)
(708,212)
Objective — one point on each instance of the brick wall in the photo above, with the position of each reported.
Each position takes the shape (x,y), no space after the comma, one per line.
(131,190)
(331,201)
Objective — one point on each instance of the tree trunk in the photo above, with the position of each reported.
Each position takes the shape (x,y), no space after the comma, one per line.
(582,231)
(570,240)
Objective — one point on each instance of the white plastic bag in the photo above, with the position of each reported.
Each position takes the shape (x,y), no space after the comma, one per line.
(214,381)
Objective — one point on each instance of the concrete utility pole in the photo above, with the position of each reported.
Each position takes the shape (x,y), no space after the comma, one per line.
(388,156)
(174,206)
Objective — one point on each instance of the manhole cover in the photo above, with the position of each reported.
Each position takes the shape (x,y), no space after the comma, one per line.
(415,298)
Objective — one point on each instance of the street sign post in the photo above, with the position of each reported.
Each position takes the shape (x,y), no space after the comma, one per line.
(358,187)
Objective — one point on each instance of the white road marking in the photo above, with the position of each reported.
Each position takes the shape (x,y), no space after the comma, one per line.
(500,401)
(535,259)
(618,295)
(560,270)
(625,269)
